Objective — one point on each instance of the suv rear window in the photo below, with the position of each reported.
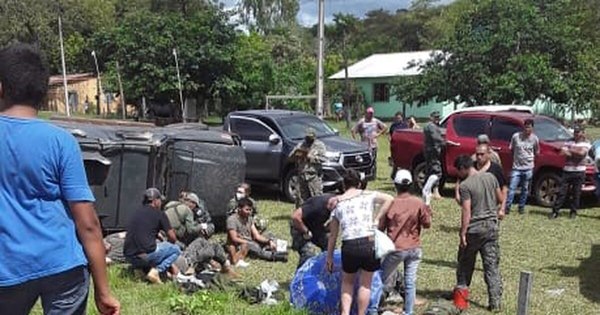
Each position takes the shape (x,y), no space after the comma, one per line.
(470,126)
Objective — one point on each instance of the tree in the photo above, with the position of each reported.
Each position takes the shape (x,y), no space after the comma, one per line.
(504,51)
(266,15)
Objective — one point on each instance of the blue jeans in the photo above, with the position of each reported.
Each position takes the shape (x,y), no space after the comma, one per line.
(520,178)
(411,259)
(65,293)
(162,258)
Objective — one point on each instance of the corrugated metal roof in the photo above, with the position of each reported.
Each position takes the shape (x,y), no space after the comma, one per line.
(386,65)
(58,79)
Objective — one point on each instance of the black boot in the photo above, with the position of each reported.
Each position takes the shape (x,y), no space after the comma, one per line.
(283,257)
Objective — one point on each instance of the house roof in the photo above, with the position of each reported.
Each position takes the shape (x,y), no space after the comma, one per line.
(71,78)
(386,65)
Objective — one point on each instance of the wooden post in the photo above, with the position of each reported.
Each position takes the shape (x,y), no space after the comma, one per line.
(524,292)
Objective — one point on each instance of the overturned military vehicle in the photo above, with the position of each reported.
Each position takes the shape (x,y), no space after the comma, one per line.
(123,159)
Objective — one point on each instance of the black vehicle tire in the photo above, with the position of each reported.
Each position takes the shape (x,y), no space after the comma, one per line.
(289,185)
(545,188)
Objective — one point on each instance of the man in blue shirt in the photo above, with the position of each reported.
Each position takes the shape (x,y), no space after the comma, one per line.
(48,226)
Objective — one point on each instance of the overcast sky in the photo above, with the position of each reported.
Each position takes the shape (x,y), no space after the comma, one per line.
(309,8)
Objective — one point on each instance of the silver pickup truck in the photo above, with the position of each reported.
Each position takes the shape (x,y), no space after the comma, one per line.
(268,136)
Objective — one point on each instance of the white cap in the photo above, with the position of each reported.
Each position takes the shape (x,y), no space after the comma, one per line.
(403,177)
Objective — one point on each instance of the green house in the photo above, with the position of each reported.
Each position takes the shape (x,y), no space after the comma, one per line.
(376,74)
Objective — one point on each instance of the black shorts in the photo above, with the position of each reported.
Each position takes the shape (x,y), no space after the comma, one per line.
(359,254)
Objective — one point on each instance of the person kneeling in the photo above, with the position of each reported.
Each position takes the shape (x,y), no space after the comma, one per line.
(243,238)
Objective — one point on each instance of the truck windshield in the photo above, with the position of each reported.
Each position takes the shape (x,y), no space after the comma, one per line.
(295,127)
(547,129)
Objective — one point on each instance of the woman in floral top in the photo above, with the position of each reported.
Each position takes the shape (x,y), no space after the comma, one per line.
(354,217)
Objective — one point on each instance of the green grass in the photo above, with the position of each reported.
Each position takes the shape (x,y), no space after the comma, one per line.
(564,256)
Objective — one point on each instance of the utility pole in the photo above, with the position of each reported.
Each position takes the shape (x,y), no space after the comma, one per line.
(320,72)
(64,67)
(98,86)
(123,109)
(183,109)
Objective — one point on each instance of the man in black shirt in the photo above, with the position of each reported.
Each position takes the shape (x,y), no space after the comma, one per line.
(140,248)
(485,164)
(308,226)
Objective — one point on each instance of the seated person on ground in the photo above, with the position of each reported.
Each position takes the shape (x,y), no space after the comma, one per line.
(201,254)
(201,214)
(113,244)
(243,191)
(243,238)
(181,218)
(141,248)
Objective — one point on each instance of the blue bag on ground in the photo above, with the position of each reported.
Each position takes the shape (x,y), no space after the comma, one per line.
(318,291)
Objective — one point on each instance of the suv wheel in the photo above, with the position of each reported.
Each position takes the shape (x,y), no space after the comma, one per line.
(290,185)
(419,174)
(545,188)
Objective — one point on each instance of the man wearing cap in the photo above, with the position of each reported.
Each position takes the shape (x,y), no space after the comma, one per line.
(308,226)
(524,145)
(369,128)
(403,221)
(201,215)
(434,141)
(181,218)
(309,156)
(141,248)
(573,175)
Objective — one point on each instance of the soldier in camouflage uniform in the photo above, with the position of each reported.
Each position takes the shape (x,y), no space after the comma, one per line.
(202,252)
(181,218)
(309,156)
(480,198)
(201,214)
(433,148)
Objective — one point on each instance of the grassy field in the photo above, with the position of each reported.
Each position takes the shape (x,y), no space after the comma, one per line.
(564,256)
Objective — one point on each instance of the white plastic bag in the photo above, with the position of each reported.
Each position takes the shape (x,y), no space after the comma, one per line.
(383,244)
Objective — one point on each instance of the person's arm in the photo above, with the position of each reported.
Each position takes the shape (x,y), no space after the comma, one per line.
(382,128)
(297,221)
(171,236)
(425,216)
(354,129)
(386,201)
(334,226)
(191,226)
(235,238)
(464,221)
(537,146)
(210,226)
(90,236)
(165,226)
(501,202)
(457,191)
(261,239)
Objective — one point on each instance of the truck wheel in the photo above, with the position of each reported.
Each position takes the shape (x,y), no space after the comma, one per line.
(419,174)
(290,185)
(545,188)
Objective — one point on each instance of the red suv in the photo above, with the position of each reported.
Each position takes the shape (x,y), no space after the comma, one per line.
(463,127)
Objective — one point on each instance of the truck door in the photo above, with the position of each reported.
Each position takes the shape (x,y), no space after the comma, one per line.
(461,137)
(262,145)
(501,132)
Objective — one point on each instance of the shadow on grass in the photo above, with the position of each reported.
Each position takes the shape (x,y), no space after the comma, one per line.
(449,229)
(440,263)
(281,217)
(588,273)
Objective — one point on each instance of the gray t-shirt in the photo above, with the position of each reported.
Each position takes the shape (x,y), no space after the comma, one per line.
(243,229)
(524,151)
(481,190)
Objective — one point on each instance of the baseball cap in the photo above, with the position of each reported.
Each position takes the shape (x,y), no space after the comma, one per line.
(153,193)
(483,139)
(193,198)
(403,177)
(370,110)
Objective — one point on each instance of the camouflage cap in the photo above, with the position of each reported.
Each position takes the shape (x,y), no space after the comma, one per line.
(311,132)
(193,198)
(153,193)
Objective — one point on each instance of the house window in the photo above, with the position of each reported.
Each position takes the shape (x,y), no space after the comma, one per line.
(381,92)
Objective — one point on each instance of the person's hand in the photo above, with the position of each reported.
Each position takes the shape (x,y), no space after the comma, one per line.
(272,245)
(501,214)
(463,241)
(107,304)
(329,264)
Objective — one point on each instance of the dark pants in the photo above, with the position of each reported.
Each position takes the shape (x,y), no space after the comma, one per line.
(65,293)
(307,248)
(485,243)
(574,180)
(201,251)
(433,162)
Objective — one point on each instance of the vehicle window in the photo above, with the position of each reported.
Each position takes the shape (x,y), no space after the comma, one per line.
(250,130)
(469,126)
(504,129)
(547,129)
(294,127)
